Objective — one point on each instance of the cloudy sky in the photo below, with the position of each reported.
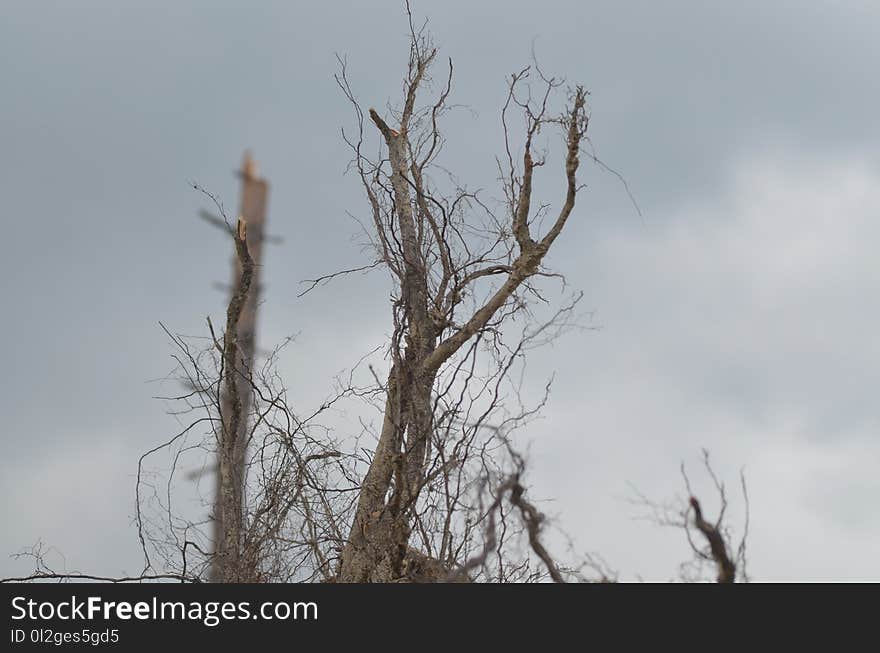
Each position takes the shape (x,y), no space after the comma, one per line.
(738,314)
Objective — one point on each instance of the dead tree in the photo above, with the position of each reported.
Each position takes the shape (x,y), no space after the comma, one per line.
(460,268)
(238,359)
(275,506)
(715,547)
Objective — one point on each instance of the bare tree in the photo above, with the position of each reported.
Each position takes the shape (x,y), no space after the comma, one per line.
(716,545)
(462,271)
(239,345)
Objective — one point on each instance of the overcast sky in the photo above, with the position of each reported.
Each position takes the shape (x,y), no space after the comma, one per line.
(740,314)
